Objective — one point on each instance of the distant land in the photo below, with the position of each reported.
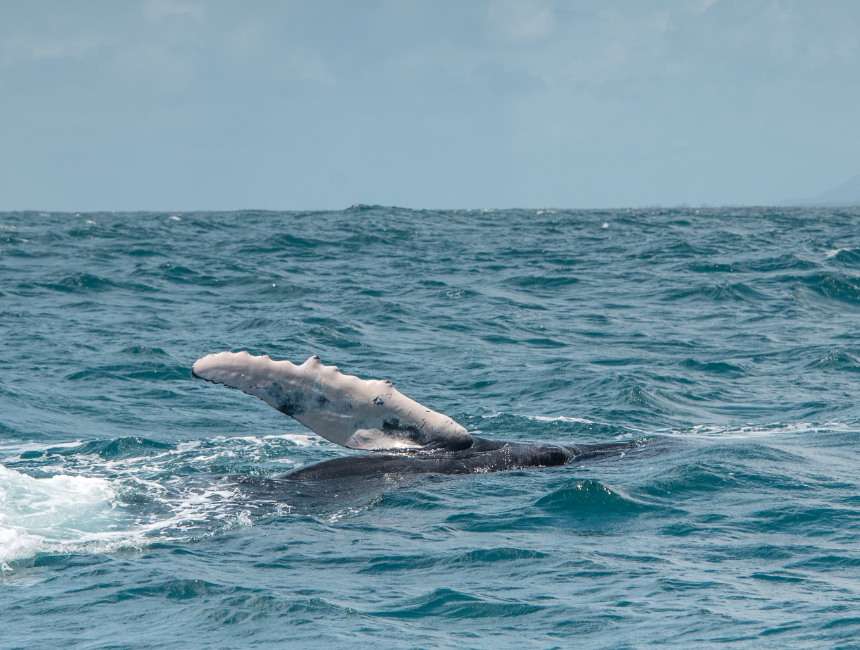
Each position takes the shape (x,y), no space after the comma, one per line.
(847,193)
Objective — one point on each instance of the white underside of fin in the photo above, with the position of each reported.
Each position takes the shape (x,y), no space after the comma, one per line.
(353,412)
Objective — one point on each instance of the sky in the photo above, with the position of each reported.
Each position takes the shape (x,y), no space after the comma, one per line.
(187,104)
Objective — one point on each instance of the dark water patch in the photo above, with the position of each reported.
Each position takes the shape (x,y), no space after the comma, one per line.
(286,244)
(724,292)
(87,282)
(590,499)
(809,520)
(562,261)
(178,589)
(844,621)
(682,249)
(705,478)
(144,350)
(493,555)
(772,264)
(499,522)
(847,257)
(452,604)
(128,447)
(837,563)
(756,551)
(498,339)
(713,367)
(629,361)
(258,323)
(692,479)
(778,576)
(542,281)
(632,397)
(711,267)
(5,429)
(544,342)
(680,584)
(783,629)
(398,563)
(462,561)
(145,252)
(835,286)
(288,240)
(245,608)
(786,262)
(682,529)
(180,274)
(412,500)
(840,360)
(741,448)
(385,237)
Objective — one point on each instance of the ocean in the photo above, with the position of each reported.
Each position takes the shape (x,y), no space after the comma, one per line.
(726,341)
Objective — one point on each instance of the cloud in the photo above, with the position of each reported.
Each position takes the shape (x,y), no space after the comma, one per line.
(521,20)
(36,49)
(158,10)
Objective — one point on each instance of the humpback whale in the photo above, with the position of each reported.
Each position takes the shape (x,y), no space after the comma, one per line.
(372,415)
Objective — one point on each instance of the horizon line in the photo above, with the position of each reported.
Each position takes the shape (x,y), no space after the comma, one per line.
(372,206)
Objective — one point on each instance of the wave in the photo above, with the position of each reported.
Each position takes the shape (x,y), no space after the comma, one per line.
(713,367)
(845,256)
(704,478)
(452,604)
(543,281)
(465,560)
(831,285)
(841,360)
(88,282)
(591,499)
(723,292)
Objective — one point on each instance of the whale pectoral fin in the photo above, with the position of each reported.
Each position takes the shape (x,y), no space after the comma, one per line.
(382,440)
(356,413)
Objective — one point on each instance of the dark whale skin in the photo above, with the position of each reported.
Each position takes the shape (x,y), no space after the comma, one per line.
(482,456)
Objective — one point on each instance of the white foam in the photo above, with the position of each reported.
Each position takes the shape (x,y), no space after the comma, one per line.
(59,513)
(298,439)
(718,432)
(559,418)
(73,502)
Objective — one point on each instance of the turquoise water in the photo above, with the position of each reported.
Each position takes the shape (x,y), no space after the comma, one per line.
(134,507)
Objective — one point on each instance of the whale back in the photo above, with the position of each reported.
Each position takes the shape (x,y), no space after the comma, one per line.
(356,413)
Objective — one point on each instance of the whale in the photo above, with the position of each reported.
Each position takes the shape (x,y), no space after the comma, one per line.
(371,415)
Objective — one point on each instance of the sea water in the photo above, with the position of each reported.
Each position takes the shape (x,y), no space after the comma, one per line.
(726,341)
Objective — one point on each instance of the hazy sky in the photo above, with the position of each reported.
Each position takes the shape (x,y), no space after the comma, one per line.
(183,104)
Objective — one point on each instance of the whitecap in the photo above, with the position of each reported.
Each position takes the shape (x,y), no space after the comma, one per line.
(56,514)
(747,431)
(560,418)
